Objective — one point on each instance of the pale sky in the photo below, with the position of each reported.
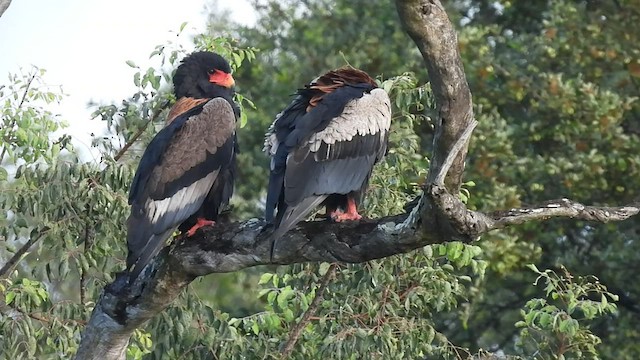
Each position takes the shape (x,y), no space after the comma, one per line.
(84,44)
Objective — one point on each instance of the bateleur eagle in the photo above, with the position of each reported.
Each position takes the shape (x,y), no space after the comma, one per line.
(323,147)
(185,176)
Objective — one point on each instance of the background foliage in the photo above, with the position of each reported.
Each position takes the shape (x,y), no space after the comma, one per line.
(554,85)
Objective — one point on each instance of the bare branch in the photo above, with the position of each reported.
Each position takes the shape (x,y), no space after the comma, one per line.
(13,261)
(313,307)
(473,223)
(563,208)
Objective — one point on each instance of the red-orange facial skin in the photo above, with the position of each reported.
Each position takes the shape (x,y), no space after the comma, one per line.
(222,78)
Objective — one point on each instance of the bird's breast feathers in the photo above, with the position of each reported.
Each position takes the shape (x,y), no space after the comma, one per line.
(183,105)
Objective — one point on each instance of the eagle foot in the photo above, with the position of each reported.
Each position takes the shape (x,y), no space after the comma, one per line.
(339,216)
(202,222)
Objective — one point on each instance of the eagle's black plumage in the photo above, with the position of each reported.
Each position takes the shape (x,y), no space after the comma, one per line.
(323,147)
(186,174)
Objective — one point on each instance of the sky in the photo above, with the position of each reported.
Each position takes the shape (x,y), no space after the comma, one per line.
(84,44)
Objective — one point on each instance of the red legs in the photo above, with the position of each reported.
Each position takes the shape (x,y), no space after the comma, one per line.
(202,222)
(351,213)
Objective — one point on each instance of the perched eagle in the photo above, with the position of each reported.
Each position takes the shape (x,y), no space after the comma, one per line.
(323,147)
(186,174)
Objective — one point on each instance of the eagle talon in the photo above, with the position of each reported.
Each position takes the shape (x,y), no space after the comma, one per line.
(201,223)
(346,217)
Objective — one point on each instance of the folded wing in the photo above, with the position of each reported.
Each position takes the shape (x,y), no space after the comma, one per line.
(175,175)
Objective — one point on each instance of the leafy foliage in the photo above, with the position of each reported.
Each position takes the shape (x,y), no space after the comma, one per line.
(27,122)
(554,325)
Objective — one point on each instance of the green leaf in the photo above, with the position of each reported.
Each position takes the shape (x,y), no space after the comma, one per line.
(324,267)
(534,268)
(8,299)
(265,278)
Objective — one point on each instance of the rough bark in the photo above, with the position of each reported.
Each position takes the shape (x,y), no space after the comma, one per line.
(438,217)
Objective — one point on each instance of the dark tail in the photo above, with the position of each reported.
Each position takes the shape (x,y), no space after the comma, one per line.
(137,260)
(292,216)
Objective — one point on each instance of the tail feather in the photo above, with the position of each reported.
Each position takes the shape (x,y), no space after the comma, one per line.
(292,215)
(143,256)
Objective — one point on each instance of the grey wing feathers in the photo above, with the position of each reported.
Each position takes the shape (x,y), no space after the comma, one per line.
(147,233)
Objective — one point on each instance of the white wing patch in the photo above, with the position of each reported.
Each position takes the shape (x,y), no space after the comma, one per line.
(367,115)
(183,203)
(270,139)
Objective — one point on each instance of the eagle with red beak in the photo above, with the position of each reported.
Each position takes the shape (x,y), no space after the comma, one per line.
(323,147)
(186,174)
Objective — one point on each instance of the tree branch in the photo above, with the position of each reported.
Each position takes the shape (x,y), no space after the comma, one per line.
(11,263)
(428,25)
(313,307)
(235,246)
(139,133)
(22,99)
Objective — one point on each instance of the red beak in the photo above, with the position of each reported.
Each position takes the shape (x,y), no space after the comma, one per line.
(222,78)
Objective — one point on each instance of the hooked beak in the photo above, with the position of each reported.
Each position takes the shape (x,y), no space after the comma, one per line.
(222,78)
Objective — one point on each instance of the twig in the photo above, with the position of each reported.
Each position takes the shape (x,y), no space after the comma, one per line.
(11,263)
(88,242)
(139,133)
(13,121)
(135,137)
(311,311)
(47,320)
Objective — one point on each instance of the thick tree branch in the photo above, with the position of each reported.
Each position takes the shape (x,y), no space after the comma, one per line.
(428,25)
(235,246)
